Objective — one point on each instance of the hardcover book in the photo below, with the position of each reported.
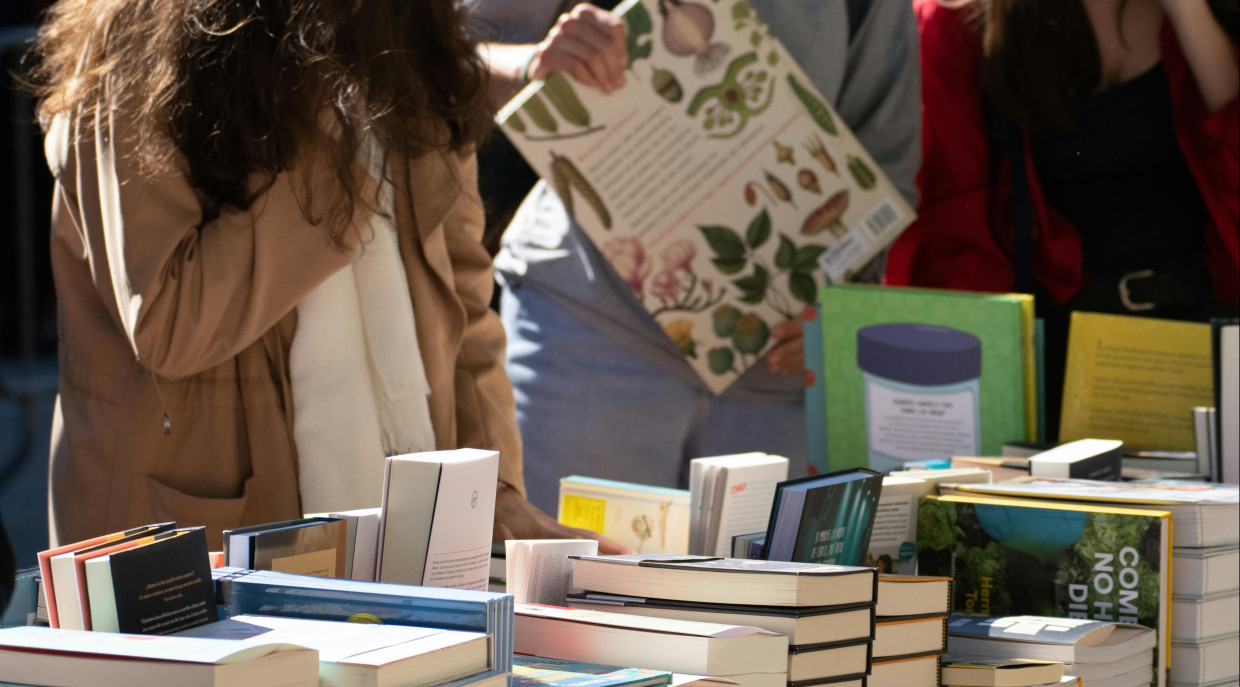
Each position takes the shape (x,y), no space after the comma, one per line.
(535,671)
(917,375)
(160,587)
(644,518)
(437,516)
(893,538)
(726,580)
(308,546)
(1135,379)
(720,185)
(824,518)
(263,592)
(1069,560)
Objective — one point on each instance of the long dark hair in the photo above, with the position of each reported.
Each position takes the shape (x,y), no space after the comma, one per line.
(1042,54)
(240,88)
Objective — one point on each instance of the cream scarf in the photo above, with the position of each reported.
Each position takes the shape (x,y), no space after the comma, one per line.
(359,387)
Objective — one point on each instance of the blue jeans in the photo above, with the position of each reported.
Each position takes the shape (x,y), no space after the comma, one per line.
(587,406)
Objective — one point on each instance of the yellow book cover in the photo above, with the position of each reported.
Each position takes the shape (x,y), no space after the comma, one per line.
(1135,379)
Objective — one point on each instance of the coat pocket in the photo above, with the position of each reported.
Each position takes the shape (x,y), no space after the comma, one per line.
(188,510)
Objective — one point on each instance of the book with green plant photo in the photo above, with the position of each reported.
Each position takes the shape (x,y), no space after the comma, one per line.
(718,182)
(1066,560)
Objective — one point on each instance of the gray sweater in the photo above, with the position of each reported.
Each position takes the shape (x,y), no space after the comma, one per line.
(869,71)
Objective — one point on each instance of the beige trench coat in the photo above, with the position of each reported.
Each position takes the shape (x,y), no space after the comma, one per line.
(159,315)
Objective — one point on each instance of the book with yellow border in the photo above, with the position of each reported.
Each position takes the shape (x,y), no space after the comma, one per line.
(1070,560)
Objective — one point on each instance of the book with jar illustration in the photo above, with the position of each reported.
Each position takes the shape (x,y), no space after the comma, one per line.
(913,375)
(718,182)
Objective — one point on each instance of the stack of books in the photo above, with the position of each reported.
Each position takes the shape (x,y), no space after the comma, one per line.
(534,671)
(979,671)
(910,631)
(1101,654)
(825,611)
(269,593)
(1203,631)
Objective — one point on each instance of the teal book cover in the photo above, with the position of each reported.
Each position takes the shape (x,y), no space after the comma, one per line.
(916,375)
(1065,560)
(824,519)
(534,671)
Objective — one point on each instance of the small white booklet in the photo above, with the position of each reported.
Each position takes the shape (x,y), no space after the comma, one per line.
(539,570)
(437,519)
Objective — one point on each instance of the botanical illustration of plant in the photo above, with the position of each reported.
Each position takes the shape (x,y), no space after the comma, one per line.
(743,17)
(563,98)
(745,91)
(734,254)
(640,35)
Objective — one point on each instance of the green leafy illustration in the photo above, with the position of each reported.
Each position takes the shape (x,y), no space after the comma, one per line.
(720,360)
(640,25)
(802,287)
(729,265)
(759,230)
(725,242)
(741,11)
(786,253)
(754,286)
(806,259)
(724,320)
(751,334)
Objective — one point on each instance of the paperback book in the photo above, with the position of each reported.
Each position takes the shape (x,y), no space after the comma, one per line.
(536,671)
(644,518)
(308,546)
(721,186)
(730,496)
(824,518)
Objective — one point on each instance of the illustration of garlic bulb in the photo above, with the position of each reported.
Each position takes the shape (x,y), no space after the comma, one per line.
(687,30)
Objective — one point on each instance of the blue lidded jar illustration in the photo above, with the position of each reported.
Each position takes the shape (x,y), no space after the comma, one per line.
(921,393)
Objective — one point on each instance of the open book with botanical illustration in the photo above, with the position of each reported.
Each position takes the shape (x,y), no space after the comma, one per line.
(718,182)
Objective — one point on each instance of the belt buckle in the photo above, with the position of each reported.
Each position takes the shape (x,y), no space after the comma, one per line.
(1125,296)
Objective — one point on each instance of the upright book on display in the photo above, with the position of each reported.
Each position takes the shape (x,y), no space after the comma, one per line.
(919,374)
(718,182)
(824,518)
(1070,560)
(437,515)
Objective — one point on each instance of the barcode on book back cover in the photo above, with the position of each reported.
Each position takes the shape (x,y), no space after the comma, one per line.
(841,257)
(882,218)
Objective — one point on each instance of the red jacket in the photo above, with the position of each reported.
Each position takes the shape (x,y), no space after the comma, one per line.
(962,237)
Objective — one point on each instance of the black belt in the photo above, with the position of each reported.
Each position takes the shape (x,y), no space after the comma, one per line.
(1143,291)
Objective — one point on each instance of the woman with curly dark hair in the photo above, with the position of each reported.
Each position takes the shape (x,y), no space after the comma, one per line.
(266,251)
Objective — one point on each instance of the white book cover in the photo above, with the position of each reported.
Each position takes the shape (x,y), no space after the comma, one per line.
(437,520)
(1229,403)
(744,490)
(718,182)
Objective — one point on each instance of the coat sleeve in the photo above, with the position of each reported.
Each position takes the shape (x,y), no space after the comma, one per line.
(486,410)
(951,245)
(190,296)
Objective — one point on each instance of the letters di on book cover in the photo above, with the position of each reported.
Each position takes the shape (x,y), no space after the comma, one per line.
(1021,557)
(923,374)
(718,182)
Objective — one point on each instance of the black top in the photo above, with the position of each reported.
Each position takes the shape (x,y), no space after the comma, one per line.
(1122,181)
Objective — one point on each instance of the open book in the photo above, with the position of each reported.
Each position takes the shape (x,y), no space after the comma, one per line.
(718,182)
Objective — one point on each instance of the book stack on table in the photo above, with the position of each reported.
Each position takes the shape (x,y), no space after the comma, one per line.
(1202,601)
(910,631)
(826,611)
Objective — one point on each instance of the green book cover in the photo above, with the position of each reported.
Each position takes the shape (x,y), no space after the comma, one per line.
(1067,560)
(920,374)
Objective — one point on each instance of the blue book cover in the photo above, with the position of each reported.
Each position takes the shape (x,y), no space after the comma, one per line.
(825,518)
(265,592)
(533,671)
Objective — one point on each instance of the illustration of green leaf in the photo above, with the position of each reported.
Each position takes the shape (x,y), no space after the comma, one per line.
(786,252)
(639,25)
(740,11)
(802,287)
(806,259)
(729,265)
(720,360)
(725,242)
(753,287)
(755,38)
(759,230)
(773,58)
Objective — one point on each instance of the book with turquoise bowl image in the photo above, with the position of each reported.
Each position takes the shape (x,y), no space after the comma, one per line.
(824,518)
(1066,560)
(914,375)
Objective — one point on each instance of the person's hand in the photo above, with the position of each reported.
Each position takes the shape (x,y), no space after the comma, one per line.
(517,518)
(588,43)
(788,355)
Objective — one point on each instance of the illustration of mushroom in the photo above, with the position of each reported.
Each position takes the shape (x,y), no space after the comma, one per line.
(808,180)
(828,216)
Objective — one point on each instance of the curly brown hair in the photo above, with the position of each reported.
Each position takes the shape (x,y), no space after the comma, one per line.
(240,88)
